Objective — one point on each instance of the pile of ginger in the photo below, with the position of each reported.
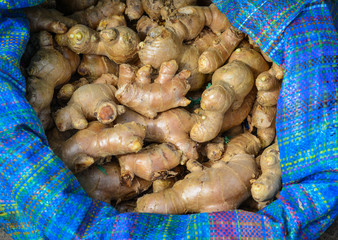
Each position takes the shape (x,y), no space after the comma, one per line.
(156,106)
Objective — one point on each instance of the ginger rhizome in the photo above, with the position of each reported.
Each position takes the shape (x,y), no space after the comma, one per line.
(151,163)
(51,20)
(91,101)
(92,16)
(230,85)
(49,67)
(118,44)
(172,126)
(270,182)
(148,98)
(166,43)
(105,183)
(67,90)
(216,55)
(98,141)
(245,143)
(222,187)
(93,66)
(263,113)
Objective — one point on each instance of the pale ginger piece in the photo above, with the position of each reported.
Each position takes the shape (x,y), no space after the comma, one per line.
(204,40)
(93,66)
(267,135)
(69,7)
(89,102)
(166,43)
(230,85)
(245,143)
(268,98)
(270,182)
(233,118)
(162,45)
(162,184)
(67,90)
(152,162)
(92,16)
(263,117)
(99,141)
(42,19)
(144,25)
(48,68)
(134,9)
(252,58)
(104,183)
(118,44)
(233,132)
(222,187)
(156,8)
(188,22)
(172,126)
(216,55)
(112,22)
(214,149)
(166,92)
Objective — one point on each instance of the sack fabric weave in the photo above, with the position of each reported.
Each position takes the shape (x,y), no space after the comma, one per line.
(41,199)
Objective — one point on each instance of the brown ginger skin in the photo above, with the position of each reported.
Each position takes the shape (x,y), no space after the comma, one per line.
(270,182)
(222,187)
(105,183)
(215,149)
(48,69)
(188,22)
(92,16)
(51,20)
(230,85)
(118,44)
(216,55)
(67,90)
(134,9)
(93,66)
(234,118)
(144,25)
(112,22)
(98,141)
(151,163)
(68,7)
(245,143)
(162,45)
(166,92)
(252,58)
(172,126)
(156,8)
(89,102)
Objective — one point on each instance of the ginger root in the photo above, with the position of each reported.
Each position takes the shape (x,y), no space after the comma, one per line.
(93,66)
(92,16)
(172,126)
(270,182)
(166,92)
(49,68)
(230,85)
(104,183)
(51,20)
(91,101)
(222,187)
(98,141)
(118,44)
(245,143)
(151,163)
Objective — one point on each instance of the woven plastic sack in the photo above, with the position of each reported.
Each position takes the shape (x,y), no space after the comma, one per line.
(41,199)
